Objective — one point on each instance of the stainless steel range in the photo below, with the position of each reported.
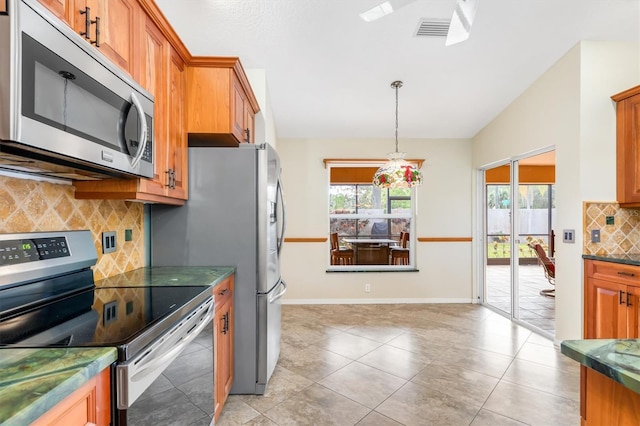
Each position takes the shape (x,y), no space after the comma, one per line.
(163,334)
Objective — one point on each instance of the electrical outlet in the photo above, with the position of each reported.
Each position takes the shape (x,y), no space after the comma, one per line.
(367,288)
(595,235)
(128,235)
(109,243)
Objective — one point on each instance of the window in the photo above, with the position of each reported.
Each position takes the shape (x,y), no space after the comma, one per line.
(360,211)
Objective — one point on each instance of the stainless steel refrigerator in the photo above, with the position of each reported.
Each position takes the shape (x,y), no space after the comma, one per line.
(234,216)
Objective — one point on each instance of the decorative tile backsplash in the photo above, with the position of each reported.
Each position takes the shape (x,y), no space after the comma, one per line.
(623,237)
(28,206)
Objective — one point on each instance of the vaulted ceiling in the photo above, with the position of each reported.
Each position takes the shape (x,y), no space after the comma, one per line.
(329,72)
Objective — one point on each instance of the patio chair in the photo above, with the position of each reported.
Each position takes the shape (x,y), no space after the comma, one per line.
(549,268)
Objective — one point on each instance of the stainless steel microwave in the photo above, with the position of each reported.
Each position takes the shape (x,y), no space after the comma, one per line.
(65,110)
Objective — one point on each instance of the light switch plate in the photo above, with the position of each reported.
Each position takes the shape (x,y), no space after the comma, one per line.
(569,236)
(109,243)
(595,235)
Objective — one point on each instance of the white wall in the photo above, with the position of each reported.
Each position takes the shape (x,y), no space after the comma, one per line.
(568,107)
(443,210)
(264,126)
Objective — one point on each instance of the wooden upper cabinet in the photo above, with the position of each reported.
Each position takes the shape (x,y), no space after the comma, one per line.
(110,26)
(221,105)
(160,69)
(628,147)
(177,150)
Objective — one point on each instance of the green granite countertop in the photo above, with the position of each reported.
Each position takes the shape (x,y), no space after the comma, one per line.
(32,381)
(624,258)
(618,359)
(169,276)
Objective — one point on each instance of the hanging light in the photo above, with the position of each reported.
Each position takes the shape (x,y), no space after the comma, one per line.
(397,173)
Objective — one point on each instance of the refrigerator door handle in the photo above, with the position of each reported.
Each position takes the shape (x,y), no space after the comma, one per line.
(280,293)
(280,198)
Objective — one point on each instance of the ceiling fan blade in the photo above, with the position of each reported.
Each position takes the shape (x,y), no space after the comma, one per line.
(383,9)
(461,21)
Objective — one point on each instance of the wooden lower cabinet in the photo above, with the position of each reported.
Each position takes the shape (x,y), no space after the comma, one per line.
(609,403)
(223,343)
(88,405)
(611,311)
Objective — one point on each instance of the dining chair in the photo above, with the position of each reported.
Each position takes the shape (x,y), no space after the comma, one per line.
(340,255)
(400,254)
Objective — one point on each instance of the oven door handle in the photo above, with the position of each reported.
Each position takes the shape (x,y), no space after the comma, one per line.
(135,376)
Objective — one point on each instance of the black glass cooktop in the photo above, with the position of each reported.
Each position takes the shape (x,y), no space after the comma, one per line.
(123,317)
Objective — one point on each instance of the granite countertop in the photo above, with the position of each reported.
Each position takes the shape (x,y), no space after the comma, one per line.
(169,276)
(624,258)
(618,359)
(32,381)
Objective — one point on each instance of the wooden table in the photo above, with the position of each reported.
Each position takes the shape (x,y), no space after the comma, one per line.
(370,251)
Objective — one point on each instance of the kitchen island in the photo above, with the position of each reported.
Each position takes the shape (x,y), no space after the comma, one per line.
(611,393)
(33,381)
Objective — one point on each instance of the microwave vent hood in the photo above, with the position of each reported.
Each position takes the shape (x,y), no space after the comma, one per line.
(66,111)
(15,157)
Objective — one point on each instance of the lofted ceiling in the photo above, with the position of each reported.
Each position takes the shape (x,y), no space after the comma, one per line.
(329,72)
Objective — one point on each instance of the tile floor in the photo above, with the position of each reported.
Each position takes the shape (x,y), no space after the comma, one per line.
(537,310)
(435,364)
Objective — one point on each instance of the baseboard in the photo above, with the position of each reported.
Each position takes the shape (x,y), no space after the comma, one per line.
(371,301)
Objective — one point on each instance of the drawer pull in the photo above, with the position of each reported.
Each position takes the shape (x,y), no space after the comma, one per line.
(223,292)
(628,274)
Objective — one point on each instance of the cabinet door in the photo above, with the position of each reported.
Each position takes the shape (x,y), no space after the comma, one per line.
(177,154)
(249,122)
(63,9)
(238,110)
(633,312)
(223,354)
(628,150)
(606,310)
(152,75)
(116,29)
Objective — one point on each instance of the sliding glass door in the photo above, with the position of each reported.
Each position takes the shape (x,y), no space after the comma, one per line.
(519,211)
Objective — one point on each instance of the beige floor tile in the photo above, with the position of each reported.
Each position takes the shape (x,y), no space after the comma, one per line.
(377,419)
(486,362)
(470,387)
(236,412)
(377,333)
(317,405)
(545,355)
(349,345)
(311,362)
(283,385)
(396,361)
(532,406)
(363,384)
(561,382)
(488,418)
(417,405)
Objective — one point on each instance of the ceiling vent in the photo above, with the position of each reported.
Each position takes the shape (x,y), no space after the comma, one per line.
(431,27)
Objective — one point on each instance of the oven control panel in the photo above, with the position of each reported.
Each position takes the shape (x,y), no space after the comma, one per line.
(14,252)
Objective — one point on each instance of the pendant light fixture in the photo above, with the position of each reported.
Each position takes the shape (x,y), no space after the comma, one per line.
(397,173)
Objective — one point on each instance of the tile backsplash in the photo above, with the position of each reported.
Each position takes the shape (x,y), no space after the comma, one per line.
(623,237)
(28,206)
